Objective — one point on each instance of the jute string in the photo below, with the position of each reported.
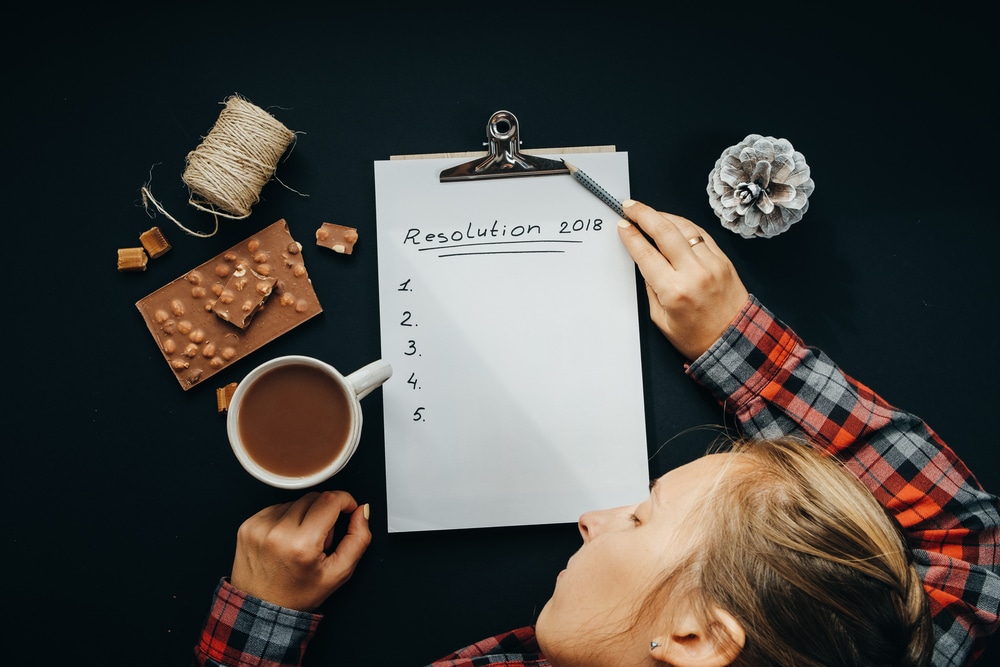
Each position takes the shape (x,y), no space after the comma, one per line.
(227,171)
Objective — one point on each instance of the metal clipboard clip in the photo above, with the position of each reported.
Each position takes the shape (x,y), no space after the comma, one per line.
(504,158)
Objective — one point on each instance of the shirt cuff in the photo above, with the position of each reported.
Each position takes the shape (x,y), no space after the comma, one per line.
(244,630)
(751,354)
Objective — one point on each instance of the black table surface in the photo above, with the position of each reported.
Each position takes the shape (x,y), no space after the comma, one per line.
(123,496)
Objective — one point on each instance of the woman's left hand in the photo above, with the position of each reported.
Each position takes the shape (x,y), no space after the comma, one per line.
(694,291)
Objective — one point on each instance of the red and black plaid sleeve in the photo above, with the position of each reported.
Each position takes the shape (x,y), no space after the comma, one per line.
(774,385)
(242,631)
(517,648)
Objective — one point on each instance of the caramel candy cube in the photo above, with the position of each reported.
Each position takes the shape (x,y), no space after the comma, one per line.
(132,259)
(243,296)
(154,242)
(337,238)
(223,395)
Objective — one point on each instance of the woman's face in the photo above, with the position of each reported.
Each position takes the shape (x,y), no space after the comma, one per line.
(591,614)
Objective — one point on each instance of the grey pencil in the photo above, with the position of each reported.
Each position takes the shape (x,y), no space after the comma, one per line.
(592,185)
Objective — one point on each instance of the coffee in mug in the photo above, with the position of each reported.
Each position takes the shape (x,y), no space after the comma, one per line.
(295,421)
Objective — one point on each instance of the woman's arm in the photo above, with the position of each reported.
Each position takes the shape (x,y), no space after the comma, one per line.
(285,567)
(241,629)
(763,373)
(774,385)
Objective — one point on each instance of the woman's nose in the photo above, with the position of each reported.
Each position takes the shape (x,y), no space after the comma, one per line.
(594,523)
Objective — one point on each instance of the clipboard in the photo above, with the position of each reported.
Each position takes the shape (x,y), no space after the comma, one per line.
(509,313)
(504,156)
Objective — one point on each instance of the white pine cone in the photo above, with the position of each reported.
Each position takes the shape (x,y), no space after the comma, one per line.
(760,187)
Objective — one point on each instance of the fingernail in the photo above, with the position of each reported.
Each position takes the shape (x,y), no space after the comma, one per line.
(624,223)
(366,510)
(627,203)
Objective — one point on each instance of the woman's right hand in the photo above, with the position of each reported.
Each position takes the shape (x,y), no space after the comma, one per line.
(693,289)
(285,553)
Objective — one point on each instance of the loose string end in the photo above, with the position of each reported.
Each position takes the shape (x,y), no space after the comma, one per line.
(147,198)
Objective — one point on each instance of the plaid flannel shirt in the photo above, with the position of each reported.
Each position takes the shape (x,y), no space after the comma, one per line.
(242,630)
(774,385)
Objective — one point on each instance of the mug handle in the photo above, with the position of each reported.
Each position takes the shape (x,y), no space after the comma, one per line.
(368,378)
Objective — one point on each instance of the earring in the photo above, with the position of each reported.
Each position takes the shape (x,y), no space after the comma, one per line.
(653,645)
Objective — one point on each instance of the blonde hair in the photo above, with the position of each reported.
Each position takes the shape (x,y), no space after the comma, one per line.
(804,557)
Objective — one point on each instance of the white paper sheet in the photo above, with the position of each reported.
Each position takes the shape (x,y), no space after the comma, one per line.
(509,315)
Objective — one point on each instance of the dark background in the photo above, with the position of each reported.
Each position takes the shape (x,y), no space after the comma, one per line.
(122,495)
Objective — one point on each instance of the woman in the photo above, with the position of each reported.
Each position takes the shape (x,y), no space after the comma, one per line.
(766,554)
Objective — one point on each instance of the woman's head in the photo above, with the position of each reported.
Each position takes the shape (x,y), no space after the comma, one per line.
(765,555)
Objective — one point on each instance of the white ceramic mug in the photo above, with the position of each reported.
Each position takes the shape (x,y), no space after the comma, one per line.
(300,417)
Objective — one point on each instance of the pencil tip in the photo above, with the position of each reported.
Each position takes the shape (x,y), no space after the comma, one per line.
(571,168)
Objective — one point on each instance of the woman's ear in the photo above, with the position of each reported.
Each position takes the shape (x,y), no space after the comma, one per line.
(690,644)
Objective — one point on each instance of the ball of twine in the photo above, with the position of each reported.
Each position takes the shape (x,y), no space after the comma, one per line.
(226,172)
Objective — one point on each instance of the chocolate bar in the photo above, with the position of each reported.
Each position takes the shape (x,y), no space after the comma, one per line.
(186,318)
(337,238)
